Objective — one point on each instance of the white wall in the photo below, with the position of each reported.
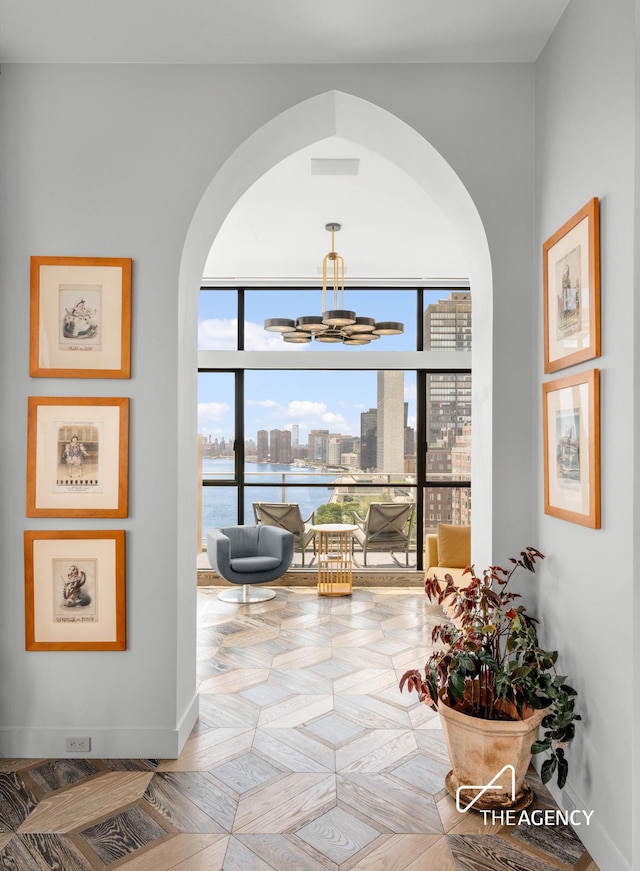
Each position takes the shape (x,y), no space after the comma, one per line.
(112,161)
(584,148)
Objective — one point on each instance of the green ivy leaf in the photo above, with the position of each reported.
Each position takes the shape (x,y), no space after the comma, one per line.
(548,767)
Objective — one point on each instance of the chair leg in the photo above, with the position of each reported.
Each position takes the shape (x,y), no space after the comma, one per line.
(247,594)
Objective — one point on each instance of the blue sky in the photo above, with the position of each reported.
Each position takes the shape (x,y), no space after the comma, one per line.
(278,399)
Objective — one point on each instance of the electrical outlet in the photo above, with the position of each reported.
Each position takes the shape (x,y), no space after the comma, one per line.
(78,745)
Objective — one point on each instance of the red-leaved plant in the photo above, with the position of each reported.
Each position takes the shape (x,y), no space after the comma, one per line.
(491,664)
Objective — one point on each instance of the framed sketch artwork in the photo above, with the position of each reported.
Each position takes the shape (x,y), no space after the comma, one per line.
(571,273)
(571,437)
(75,590)
(80,317)
(77,457)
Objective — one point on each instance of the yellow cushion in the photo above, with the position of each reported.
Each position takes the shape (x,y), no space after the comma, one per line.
(454,545)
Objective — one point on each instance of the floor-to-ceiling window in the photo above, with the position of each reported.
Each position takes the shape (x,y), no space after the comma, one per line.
(334,440)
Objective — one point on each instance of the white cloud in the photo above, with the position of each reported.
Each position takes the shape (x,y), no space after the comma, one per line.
(264,403)
(210,413)
(337,422)
(220,334)
(305,409)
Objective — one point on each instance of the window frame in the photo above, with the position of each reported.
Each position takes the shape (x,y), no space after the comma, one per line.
(461,365)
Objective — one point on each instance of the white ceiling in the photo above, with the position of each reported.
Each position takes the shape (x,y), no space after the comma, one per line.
(278,31)
(391,229)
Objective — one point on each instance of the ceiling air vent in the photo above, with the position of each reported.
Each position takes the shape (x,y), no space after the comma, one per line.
(335,165)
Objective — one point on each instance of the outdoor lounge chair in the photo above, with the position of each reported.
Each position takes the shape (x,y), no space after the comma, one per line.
(287,516)
(386,527)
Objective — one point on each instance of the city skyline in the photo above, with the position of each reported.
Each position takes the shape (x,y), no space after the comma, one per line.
(309,399)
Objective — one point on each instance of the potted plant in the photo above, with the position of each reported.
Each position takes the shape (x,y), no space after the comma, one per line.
(490,680)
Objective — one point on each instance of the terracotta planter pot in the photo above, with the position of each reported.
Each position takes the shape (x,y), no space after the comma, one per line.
(479,750)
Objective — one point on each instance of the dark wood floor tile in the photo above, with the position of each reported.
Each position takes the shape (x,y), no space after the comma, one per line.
(59,773)
(56,852)
(201,789)
(122,834)
(15,856)
(131,764)
(561,841)
(16,801)
(492,853)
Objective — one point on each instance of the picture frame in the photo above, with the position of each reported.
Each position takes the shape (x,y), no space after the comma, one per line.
(75,590)
(80,317)
(571,279)
(571,438)
(77,456)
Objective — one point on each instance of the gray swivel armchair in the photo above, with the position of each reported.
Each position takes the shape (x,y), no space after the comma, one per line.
(248,555)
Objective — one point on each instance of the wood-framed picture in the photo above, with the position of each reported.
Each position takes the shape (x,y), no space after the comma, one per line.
(571,276)
(75,590)
(77,456)
(80,317)
(571,437)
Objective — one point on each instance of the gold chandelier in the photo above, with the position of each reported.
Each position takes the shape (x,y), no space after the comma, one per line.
(337,324)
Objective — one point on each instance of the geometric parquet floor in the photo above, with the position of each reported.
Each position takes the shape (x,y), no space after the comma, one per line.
(306,757)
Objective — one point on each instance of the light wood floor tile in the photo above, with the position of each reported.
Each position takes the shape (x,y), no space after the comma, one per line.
(397,853)
(357,637)
(240,857)
(366,681)
(220,745)
(281,853)
(303,681)
(286,805)
(235,680)
(371,712)
(81,805)
(301,658)
(306,757)
(394,807)
(182,853)
(337,835)
(228,711)
(376,750)
(439,858)
(294,711)
(295,749)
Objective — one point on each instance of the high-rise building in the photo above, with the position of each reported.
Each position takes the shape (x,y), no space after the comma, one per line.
(391,421)
(262,452)
(318,443)
(295,435)
(334,449)
(280,446)
(447,323)
(369,439)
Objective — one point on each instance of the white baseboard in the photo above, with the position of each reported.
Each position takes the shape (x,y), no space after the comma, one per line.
(21,743)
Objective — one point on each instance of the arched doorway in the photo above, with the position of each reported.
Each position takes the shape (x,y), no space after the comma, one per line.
(336,114)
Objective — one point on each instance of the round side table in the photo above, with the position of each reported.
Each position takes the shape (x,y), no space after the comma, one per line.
(335,549)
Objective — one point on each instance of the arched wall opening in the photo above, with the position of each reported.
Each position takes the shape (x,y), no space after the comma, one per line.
(337,114)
